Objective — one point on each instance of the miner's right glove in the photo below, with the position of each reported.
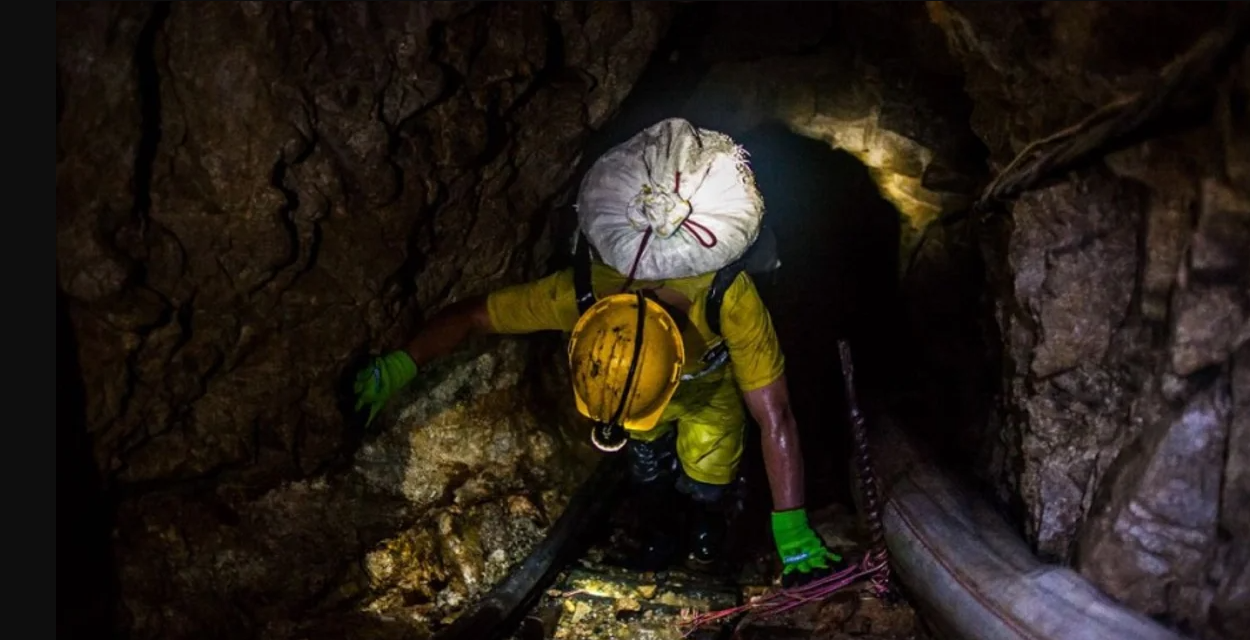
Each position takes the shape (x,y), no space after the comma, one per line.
(381,378)
(802,552)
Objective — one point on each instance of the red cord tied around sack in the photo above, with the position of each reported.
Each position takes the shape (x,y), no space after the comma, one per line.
(873,566)
(701,233)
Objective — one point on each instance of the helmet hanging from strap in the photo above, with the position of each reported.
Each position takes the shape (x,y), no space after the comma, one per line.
(626,355)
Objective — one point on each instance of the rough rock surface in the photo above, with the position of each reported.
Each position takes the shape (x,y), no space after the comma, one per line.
(844,74)
(432,512)
(305,175)
(1122,296)
(249,194)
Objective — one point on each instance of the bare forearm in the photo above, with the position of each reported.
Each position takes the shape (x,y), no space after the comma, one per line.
(448,329)
(783,457)
(783,460)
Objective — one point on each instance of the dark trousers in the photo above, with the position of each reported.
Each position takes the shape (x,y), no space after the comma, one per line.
(654,466)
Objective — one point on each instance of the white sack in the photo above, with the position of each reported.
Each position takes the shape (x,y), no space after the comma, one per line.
(631,189)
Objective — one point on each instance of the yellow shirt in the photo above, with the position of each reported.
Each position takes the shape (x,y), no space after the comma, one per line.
(757,361)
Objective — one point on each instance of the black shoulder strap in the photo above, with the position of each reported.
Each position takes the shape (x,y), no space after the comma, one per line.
(721,282)
(581,275)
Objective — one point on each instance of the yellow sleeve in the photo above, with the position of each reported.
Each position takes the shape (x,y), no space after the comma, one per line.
(748,330)
(545,304)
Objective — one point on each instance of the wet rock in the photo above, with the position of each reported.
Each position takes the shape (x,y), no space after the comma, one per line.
(1074,256)
(255,250)
(428,574)
(1231,600)
(432,513)
(1156,535)
(460,439)
(1075,417)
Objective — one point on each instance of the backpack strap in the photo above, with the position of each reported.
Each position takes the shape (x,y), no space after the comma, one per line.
(717,356)
(582,289)
(721,282)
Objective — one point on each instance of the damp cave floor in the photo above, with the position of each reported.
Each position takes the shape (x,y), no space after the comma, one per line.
(598,597)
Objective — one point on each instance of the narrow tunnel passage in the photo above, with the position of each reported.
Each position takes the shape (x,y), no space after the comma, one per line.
(1057,352)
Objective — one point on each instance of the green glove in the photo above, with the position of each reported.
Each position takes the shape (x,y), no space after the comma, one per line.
(381,378)
(801,550)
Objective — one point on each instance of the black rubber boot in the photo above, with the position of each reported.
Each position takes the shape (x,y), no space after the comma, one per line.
(652,468)
(659,520)
(707,506)
(707,535)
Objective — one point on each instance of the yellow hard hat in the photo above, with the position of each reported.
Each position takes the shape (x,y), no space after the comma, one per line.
(626,356)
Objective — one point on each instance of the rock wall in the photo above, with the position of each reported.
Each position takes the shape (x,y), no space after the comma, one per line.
(249,195)
(1122,298)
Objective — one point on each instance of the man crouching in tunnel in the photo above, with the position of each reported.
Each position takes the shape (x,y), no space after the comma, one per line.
(669,337)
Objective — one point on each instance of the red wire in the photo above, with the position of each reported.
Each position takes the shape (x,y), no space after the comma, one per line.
(780,601)
(646,235)
(694,228)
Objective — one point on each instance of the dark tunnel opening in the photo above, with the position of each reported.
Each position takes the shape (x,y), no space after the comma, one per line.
(838,241)
(86,576)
